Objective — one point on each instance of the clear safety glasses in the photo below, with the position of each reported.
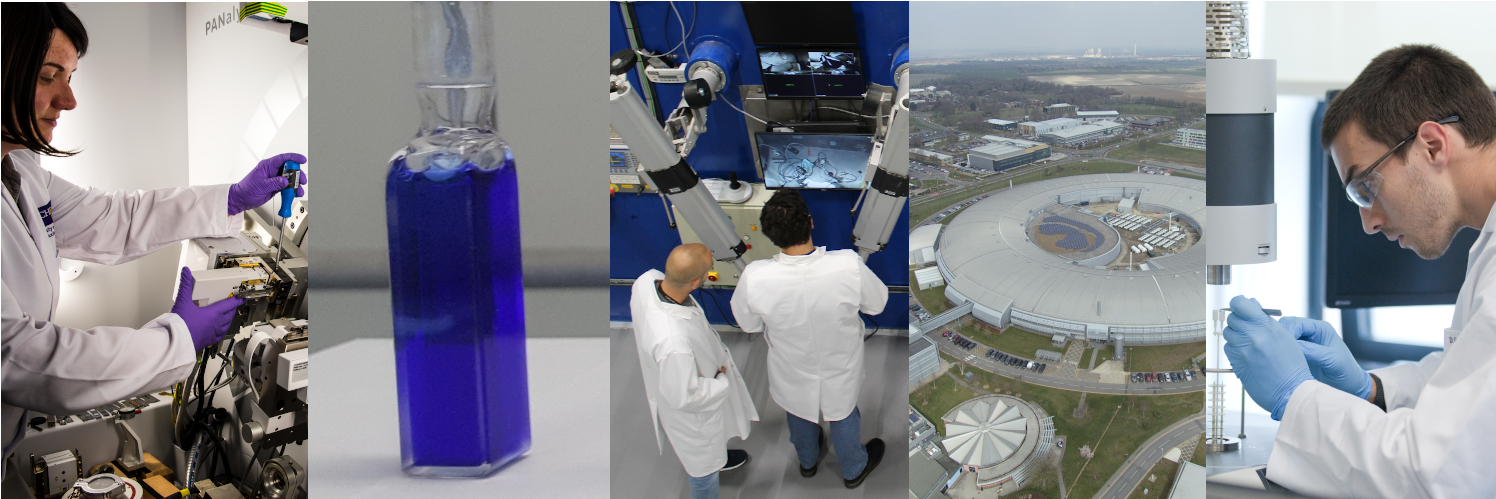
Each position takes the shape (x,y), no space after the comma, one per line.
(1363,189)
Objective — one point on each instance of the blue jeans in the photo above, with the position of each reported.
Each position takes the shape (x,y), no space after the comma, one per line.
(707,487)
(846,438)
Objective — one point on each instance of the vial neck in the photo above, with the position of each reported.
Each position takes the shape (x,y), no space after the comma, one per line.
(454,65)
(457,106)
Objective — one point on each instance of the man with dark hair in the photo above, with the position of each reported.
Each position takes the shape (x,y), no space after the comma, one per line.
(807,300)
(1412,141)
(693,387)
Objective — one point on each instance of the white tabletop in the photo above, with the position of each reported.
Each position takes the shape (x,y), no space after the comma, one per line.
(355,432)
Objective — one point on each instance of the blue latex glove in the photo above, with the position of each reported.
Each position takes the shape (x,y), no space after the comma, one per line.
(1329,360)
(1264,356)
(207,324)
(263,183)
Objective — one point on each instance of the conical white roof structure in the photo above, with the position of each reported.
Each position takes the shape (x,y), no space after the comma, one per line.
(984,432)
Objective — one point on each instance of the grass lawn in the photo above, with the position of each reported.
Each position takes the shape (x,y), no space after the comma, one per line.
(1012,340)
(952,216)
(1189,175)
(1145,108)
(1155,150)
(1163,357)
(932,299)
(923,211)
(1199,457)
(1163,474)
(1136,419)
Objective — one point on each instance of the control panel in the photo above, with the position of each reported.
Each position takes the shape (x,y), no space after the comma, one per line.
(745,223)
(624,174)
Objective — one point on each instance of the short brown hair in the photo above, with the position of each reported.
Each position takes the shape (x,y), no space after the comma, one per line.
(1406,86)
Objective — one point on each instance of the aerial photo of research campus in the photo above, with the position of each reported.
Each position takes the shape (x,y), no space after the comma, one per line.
(1057,208)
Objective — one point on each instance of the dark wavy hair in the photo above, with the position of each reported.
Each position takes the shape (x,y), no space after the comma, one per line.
(1406,86)
(27,34)
(786,219)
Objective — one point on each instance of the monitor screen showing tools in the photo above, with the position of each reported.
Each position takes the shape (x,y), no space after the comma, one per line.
(801,23)
(811,73)
(813,160)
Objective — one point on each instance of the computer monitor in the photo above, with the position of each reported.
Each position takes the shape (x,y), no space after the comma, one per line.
(813,160)
(801,23)
(816,73)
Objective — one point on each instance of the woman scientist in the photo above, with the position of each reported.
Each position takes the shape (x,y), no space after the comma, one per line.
(49,367)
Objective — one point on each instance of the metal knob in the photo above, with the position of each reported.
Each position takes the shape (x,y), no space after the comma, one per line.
(252,432)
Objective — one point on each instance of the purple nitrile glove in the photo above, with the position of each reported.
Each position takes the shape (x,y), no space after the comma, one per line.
(263,183)
(207,324)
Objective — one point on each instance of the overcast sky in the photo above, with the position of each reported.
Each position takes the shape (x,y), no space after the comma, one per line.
(964,29)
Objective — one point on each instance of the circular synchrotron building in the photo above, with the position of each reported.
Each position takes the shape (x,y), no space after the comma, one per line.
(1103,257)
(999,437)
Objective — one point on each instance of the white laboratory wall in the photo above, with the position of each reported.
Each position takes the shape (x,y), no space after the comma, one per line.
(131,125)
(246,95)
(1328,43)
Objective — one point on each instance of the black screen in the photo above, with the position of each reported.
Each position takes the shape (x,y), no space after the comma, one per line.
(813,160)
(801,23)
(811,73)
(1368,270)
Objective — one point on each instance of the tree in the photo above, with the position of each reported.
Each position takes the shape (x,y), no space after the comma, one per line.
(1086,452)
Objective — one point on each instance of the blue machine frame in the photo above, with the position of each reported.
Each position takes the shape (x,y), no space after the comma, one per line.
(640,235)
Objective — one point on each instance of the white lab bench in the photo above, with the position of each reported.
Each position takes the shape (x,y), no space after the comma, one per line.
(355,432)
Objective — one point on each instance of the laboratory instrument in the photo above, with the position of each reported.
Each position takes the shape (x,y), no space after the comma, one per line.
(1241,212)
(452,206)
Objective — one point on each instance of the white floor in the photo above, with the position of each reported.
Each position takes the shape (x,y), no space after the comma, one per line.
(638,470)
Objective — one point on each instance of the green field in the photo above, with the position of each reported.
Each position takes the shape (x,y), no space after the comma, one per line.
(1199,457)
(1147,109)
(1163,472)
(1136,419)
(1012,340)
(932,299)
(1156,150)
(1162,358)
(918,213)
(1191,72)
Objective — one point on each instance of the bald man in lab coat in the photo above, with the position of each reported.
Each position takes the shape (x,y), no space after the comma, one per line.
(693,386)
(806,301)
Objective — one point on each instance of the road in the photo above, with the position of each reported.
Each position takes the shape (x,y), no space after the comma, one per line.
(982,362)
(1135,470)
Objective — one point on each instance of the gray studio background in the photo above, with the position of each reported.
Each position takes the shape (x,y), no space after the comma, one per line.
(552,111)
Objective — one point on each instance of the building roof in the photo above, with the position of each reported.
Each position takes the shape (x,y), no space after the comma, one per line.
(988,430)
(925,475)
(1005,149)
(1190,483)
(923,152)
(1089,114)
(987,244)
(928,274)
(1083,129)
(924,236)
(1000,122)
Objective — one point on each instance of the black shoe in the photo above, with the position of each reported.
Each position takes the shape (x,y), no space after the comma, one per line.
(735,459)
(820,448)
(874,455)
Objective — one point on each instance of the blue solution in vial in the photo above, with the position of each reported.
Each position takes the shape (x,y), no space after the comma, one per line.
(458,294)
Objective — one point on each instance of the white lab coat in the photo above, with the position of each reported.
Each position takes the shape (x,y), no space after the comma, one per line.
(59,370)
(680,356)
(807,307)
(1436,438)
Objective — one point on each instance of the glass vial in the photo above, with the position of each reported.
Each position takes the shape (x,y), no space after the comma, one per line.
(452,207)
